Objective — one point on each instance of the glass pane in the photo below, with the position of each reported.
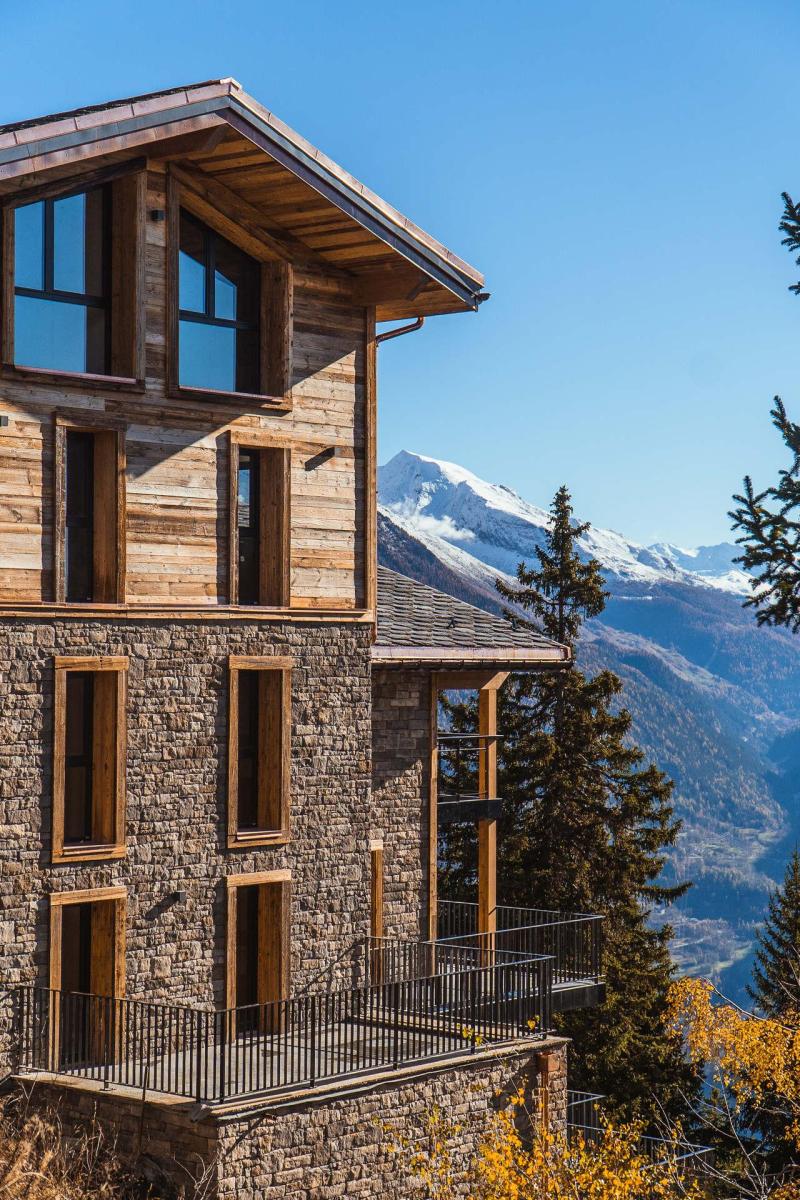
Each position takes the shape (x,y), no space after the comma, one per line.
(247,521)
(224,297)
(95,242)
(247,364)
(246,952)
(69,244)
(207,356)
(78,765)
(29,246)
(59,336)
(50,334)
(248,750)
(236,283)
(79,487)
(191,267)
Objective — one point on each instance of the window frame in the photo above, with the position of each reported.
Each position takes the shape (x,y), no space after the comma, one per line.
(237,838)
(281,881)
(114,535)
(275,565)
(116,896)
(276,303)
(116,665)
(126,255)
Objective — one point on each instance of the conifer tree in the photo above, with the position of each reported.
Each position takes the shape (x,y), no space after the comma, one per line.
(583,829)
(769,521)
(775,989)
(775,992)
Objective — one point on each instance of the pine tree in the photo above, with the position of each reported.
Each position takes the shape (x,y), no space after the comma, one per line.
(769,521)
(776,972)
(583,829)
(775,992)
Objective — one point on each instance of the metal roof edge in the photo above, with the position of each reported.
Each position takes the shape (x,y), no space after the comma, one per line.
(289,148)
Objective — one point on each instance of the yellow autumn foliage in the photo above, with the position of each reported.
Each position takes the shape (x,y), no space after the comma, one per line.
(551,1167)
(755,1059)
(543,1165)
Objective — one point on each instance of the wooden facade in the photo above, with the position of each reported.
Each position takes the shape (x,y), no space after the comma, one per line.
(334,258)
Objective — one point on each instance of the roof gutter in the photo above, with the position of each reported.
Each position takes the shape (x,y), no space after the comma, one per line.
(412,328)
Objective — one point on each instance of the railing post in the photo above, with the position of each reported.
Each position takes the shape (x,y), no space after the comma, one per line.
(200,1023)
(222,1053)
(313,1040)
(396,990)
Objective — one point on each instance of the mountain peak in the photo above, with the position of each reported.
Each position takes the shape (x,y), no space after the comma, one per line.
(443,501)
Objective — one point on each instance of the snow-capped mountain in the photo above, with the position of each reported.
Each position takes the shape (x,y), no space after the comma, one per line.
(715,699)
(445,503)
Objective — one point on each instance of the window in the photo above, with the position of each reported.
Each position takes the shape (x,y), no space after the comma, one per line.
(89,758)
(260,530)
(219,291)
(87,960)
(73,279)
(61,283)
(90,515)
(87,941)
(257,959)
(230,300)
(259,756)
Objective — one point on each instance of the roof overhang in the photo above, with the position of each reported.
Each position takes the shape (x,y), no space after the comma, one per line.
(498,658)
(434,279)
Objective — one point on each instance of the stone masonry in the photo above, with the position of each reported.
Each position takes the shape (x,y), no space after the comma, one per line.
(401,747)
(335,1147)
(176,797)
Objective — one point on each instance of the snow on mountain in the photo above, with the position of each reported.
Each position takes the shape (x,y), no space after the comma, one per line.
(463,517)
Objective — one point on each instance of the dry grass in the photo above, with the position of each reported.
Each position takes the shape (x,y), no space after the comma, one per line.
(41,1160)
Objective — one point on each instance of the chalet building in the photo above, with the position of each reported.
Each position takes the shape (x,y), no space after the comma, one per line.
(222,778)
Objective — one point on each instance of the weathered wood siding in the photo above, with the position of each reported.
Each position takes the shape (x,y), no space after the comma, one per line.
(177,460)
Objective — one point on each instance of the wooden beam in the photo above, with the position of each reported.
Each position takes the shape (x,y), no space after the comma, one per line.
(433,812)
(376,890)
(401,285)
(219,203)
(487,830)
(7,289)
(277,329)
(472,680)
(370,501)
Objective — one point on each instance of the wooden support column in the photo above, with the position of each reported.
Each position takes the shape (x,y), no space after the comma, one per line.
(487,830)
(433,813)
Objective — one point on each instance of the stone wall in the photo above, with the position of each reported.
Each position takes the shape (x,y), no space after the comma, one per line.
(176,796)
(401,724)
(331,1148)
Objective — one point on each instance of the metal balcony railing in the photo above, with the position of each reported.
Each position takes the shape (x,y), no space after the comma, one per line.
(461,758)
(419,1001)
(574,940)
(584,1121)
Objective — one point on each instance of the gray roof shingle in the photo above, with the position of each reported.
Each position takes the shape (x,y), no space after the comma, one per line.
(418,623)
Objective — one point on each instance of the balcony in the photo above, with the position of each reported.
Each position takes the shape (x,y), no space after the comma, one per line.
(584,1122)
(419,1002)
(574,942)
(462,764)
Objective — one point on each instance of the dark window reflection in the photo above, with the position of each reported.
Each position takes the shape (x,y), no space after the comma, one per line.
(219,292)
(61,285)
(247,958)
(248,508)
(248,749)
(76,954)
(78,757)
(79,517)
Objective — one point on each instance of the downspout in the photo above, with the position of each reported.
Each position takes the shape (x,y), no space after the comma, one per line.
(384,337)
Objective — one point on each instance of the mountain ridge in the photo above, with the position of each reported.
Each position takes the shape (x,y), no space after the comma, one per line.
(715,700)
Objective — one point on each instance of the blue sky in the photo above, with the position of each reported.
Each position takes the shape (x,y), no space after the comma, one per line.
(614,168)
